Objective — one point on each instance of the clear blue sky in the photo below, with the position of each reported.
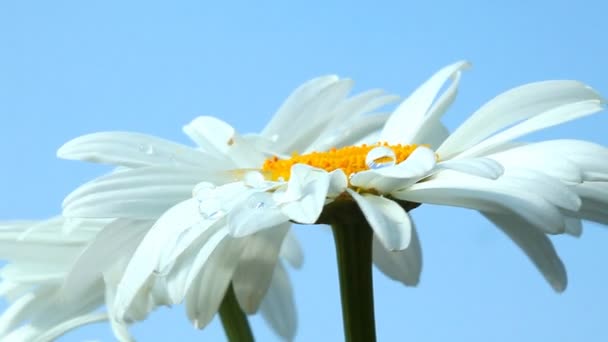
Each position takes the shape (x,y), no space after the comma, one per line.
(74,67)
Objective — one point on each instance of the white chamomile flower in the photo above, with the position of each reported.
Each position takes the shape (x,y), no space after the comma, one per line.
(195,260)
(527,190)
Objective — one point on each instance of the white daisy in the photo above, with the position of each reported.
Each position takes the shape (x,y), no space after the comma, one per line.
(196,260)
(415,161)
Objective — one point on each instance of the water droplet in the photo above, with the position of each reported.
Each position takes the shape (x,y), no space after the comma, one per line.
(258,200)
(147,149)
(380,157)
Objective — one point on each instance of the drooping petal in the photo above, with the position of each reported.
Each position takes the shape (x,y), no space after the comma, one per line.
(176,220)
(537,247)
(291,250)
(119,239)
(257,212)
(389,221)
(256,266)
(206,293)
(403,266)
(278,307)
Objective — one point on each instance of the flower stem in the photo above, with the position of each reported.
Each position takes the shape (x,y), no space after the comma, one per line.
(234,319)
(353,238)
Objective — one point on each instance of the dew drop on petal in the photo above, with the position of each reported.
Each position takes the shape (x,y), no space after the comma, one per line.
(258,200)
(147,149)
(380,157)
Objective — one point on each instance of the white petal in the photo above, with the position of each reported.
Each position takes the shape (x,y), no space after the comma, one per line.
(304,125)
(345,124)
(60,329)
(337,183)
(552,117)
(460,190)
(305,196)
(406,120)
(134,150)
(256,265)
(257,212)
(291,250)
(220,139)
(143,193)
(293,105)
(548,188)
(117,240)
(512,106)
(385,180)
(481,167)
(405,265)
(204,297)
(389,221)
(278,307)
(548,162)
(537,247)
(356,132)
(179,218)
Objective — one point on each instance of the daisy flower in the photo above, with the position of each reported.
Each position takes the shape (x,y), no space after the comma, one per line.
(197,261)
(527,190)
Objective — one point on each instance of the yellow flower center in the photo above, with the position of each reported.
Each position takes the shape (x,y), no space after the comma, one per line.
(350,159)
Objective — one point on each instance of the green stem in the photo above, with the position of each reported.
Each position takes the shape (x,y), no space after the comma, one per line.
(234,319)
(353,238)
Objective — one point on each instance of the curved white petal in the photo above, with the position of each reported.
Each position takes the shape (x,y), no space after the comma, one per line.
(481,167)
(551,117)
(403,266)
(292,106)
(305,196)
(204,296)
(278,307)
(460,190)
(143,193)
(411,114)
(119,239)
(388,179)
(291,250)
(389,221)
(257,212)
(220,139)
(256,265)
(512,106)
(145,260)
(537,247)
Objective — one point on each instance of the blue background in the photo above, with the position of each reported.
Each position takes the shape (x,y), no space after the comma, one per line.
(72,67)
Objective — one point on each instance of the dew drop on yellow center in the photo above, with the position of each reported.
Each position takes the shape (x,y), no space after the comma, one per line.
(350,159)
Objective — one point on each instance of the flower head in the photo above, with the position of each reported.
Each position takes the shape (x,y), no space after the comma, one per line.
(186,253)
